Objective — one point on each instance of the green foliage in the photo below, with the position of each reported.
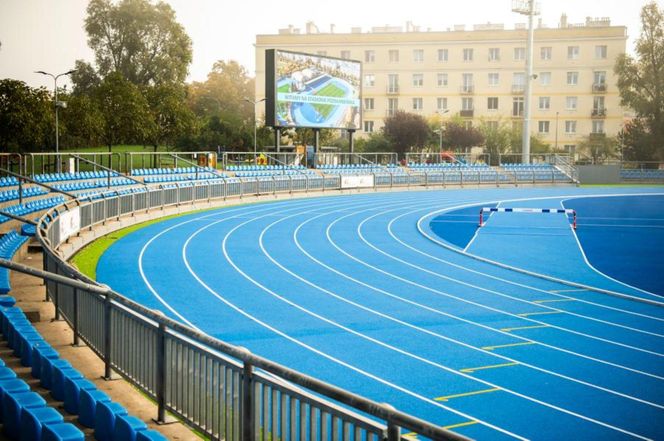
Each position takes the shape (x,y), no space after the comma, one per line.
(537,145)
(497,139)
(172,119)
(376,142)
(124,110)
(26,117)
(141,41)
(458,137)
(641,85)
(598,147)
(81,123)
(85,78)
(404,131)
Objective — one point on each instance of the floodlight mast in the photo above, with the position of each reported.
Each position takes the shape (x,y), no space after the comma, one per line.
(529,8)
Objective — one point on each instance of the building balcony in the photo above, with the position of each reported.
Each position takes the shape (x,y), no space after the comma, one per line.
(393,89)
(467,113)
(599,112)
(467,89)
(517,115)
(518,89)
(596,136)
(599,88)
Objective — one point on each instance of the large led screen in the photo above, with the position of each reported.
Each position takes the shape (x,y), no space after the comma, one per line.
(306,90)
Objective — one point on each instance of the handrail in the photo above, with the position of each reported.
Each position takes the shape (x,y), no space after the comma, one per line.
(32,181)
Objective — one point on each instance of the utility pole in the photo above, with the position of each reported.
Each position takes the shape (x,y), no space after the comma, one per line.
(530,9)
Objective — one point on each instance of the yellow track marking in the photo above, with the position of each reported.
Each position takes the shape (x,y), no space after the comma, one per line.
(467,394)
(524,327)
(528,314)
(523,343)
(410,435)
(481,368)
(455,426)
(555,300)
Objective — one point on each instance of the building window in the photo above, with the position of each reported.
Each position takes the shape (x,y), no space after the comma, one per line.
(545,78)
(543,126)
(418,55)
(466,103)
(569,148)
(393,55)
(570,127)
(494,54)
(598,126)
(571,103)
(441,103)
(369,80)
(392,106)
(517,106)
(572,52)
(418,104)
(519,53)
(545,53)
(368,104)
(368,126)
(494,78)
(492,103)
(468,54)
(598,105)
(442,55)
(599,77)
(467,83)
(345,55)
(518,82)
(393,83)
(442,80)
(544,103)
(418,80)
(369,56)
(600,52)
(572,78)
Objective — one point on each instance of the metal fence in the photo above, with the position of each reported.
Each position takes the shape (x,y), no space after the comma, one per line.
(222,390)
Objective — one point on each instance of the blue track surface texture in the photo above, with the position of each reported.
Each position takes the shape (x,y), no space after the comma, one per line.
(374,293)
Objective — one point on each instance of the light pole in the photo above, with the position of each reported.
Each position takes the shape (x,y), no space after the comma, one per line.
(57,105)
(556,147)
(441,113)
(254,103)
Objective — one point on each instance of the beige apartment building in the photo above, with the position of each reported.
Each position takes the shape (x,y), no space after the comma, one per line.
(478,74)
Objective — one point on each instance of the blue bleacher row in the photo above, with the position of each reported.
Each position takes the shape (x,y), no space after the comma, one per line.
(31,207)
(75,186)
(9,245)
(236,168)
(28,192)
(449,165)
(168,171)
(8,181)
(175,178)
(25,414)
(275,173)
(641,174)
(354,166)
(55,177)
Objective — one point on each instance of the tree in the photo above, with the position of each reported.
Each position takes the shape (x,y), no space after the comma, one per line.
(497,139)
(375,142)
(637,142)
(459,137)
(406,130)
(84,78)
(598,147)
(26,117)
(141,41)
(641,86)
(224,91)
(81,124)
(124,111)
(171,118)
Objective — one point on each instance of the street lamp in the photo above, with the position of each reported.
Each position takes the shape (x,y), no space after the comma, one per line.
(57,104)
(556,147)
(441,127)
(254,103)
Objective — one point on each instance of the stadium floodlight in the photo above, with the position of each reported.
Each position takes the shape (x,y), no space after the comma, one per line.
(254,103)
(441,113)
(57,105)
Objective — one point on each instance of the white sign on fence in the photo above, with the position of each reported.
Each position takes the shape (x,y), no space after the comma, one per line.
(357,181)
(70,223)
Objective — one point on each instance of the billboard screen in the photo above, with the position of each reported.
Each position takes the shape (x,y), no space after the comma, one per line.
(305,90)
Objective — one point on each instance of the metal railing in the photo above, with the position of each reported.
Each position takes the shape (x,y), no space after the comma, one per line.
(213,386)
(40,163)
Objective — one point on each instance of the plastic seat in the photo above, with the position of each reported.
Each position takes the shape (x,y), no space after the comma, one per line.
(12,405)
(33,420)
(47,366)
(105,415)
(127,427)
(87,405)
(72,393)
(60,375)
(14,385)
(62,432)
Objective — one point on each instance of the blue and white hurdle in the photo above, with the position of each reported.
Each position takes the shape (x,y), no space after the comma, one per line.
(528,210)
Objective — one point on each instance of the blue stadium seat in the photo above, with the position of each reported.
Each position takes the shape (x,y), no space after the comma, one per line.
(59,376)
(127,427)
(105,415)
(72,393)
(12,405)
(150,435)
(61,432)
(87,406)
(33,420)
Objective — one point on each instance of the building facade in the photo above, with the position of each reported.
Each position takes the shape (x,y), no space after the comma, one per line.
(478,74)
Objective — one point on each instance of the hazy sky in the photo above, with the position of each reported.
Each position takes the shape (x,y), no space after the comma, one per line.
(48,34)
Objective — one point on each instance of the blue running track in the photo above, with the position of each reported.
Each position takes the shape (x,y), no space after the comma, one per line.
(521,329)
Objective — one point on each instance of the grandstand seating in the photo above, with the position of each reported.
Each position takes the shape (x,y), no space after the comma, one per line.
(57,177)
(9,244)
(31,207)
(28,192)
(157,179)
(543,172)
(85,185)
(8,181)
(168,171)
(355,169)
(642,174)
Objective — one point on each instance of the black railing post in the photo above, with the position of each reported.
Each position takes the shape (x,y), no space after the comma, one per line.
(75,318)
(56,299)
(161,374)
(107,337)
(247,416)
